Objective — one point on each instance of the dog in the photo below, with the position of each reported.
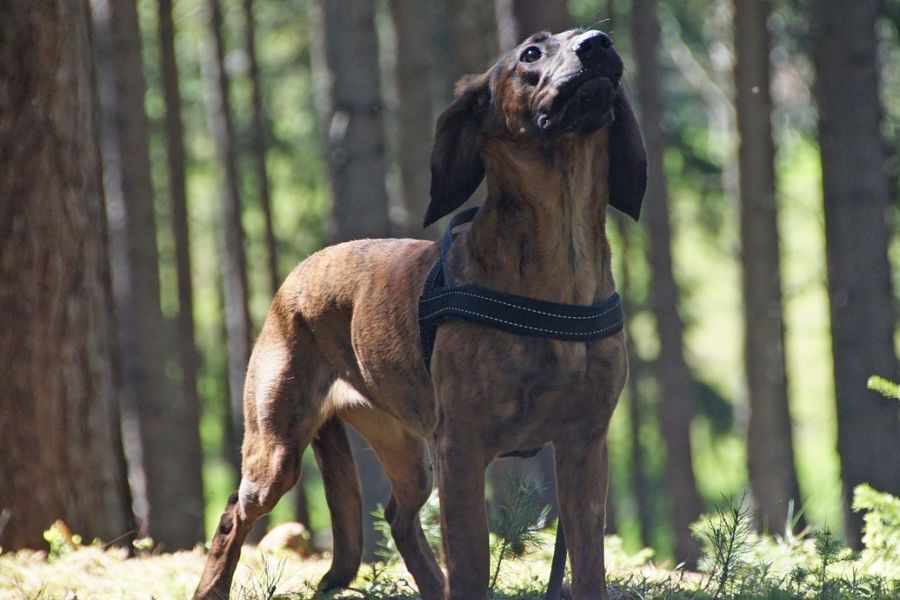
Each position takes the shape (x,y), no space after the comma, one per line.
(551,131)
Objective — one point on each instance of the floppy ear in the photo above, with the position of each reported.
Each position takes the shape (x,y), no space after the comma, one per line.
(456,165)
(627,160)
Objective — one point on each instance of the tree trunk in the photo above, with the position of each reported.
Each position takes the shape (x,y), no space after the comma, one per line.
(471,38)
(345,63)
(60,443)
(517,19)
(238,327)
(260,146)
(857,234)
(167,424)
(175,160)
(636,409)
(676,403)
(770,449)
(415,123)
(259,134)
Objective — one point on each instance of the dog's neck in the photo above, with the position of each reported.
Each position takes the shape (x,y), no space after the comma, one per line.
(541,231)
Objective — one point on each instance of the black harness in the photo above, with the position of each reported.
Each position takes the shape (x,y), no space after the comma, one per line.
(442,299)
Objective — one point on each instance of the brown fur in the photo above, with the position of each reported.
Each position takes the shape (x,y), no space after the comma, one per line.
(341,342)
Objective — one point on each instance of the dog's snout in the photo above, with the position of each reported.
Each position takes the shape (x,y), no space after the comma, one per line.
(591,46)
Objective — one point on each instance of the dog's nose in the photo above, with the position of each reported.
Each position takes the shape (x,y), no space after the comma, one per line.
(591,47)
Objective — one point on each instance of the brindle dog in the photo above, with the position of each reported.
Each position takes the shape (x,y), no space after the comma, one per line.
(551,131)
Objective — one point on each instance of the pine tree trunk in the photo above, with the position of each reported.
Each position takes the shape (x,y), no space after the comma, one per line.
(770,449)
(415,123)
(636,409)
(175,160)
(167,424)
(857,234)
(60,443)
(259,135)
(677,390)
(517,19)
(345,63)
(238,328)
(260,147)
(471,38)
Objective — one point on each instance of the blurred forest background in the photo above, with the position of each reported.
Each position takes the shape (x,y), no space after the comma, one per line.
(165,163)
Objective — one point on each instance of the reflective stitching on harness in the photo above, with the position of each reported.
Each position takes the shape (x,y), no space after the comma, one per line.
(471,312)
(534,310)
(470,303)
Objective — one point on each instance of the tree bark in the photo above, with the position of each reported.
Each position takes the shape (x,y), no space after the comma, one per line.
(636,403)
(411,24)
(167,424)
(259,139)
(260,132)
(517,19)
(238,327)
(175,160)
(471,38)
(60,444)
(348,99)
(770,448)
(857,234)
(676,403)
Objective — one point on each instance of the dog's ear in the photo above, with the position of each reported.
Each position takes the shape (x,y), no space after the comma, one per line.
(627,160)
(456,165)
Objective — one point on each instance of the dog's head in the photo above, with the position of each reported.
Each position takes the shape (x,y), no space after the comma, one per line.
(547,91)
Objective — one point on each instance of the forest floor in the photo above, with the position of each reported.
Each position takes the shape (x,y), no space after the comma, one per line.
(92,572)
(736,563)
(769,569)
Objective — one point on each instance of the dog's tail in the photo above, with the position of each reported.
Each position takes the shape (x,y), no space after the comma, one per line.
(335,460)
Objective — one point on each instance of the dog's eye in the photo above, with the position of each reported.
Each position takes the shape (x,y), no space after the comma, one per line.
(531,54)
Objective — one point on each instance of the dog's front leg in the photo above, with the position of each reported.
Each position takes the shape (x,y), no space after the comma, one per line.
(460,470)
(582,479)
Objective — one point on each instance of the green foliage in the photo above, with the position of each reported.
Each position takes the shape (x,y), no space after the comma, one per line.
(61,539)
(430,516)
(386,552)
(885,387)
(518,521)
(726,537)
(812,565)
(881,529)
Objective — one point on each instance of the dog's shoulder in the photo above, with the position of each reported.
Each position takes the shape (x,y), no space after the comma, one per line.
(345,274)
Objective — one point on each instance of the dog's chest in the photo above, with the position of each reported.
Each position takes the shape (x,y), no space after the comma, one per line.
(523,392)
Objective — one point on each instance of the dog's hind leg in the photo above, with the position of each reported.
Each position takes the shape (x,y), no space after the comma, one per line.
(283,395)
(407,463)
(341,483)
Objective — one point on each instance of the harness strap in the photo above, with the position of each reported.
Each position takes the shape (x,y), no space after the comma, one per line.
(441,299)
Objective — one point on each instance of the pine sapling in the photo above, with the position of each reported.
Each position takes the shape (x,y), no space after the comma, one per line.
(518,521)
